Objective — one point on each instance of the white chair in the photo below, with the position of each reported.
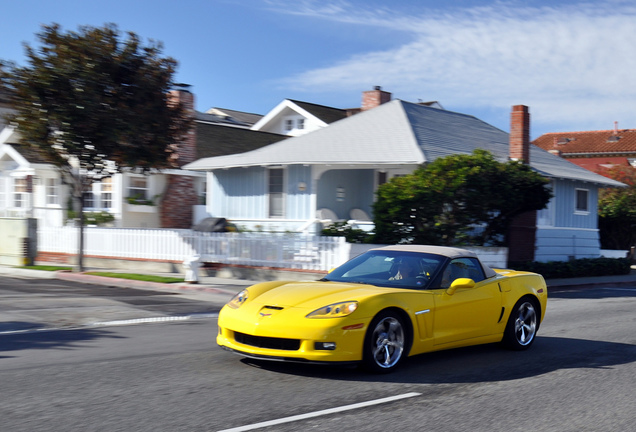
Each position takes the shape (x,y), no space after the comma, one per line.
(359,215)
(361,220)
(326,216)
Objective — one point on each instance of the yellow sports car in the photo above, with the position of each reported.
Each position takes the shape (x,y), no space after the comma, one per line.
(384,305)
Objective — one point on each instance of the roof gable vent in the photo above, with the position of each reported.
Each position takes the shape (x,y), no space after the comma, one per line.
(613,138)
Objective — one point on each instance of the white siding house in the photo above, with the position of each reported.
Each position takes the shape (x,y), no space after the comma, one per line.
(336,169)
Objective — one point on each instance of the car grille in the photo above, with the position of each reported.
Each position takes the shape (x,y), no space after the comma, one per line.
(267,342)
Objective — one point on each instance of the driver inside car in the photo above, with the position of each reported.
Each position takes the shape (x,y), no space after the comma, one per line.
(408,271)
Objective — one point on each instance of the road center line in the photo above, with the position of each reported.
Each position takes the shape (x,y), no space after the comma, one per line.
(320,413)
(620,289)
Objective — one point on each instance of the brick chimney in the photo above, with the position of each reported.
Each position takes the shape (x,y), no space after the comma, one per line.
(180,195)
(522,232)
(187,150)
(374,98)
(520,134)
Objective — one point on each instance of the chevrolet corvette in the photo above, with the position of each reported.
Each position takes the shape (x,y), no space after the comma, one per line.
(383,306)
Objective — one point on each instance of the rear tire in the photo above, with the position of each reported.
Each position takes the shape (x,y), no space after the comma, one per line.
(385,344)
(522,325)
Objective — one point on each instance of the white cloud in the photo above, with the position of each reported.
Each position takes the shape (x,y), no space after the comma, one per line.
(571,64)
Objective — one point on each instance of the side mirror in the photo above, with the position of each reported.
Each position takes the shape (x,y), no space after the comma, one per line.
(460,283)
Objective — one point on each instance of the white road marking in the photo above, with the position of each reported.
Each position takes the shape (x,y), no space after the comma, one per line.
(152,320)
(621,289)
(320,413)
(114,323)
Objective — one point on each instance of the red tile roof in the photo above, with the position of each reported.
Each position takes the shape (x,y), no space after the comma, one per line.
(591,142)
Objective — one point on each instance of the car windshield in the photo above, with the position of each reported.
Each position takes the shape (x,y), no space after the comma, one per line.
(389,269)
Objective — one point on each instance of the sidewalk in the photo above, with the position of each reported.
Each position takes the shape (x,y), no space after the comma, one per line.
(28,312)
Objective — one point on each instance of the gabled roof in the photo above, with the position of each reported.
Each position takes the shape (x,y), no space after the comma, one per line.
(592,143)
(323,115)
(10,149)
(360,139)
(322,112)
(398,133)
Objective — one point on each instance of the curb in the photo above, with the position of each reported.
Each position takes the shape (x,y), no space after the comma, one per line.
(112,281)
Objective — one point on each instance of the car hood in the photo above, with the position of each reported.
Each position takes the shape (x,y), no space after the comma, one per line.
(315,294)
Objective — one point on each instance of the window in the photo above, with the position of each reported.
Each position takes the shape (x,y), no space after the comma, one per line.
(582,198)
(462,268)
(382,178)
(20,192)
(52,197)
(275,189)
(294,122)
(106,193)
(89,199)
(138,188)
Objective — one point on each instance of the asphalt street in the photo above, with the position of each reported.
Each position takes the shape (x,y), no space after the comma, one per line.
(34,300)
(171,376)
(37,300)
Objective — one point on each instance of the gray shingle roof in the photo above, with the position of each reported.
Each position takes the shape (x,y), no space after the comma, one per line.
(241,116)
(398,133)
(217,119)
(219,139)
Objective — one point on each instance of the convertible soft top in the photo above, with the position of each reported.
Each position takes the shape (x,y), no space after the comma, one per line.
(450,252)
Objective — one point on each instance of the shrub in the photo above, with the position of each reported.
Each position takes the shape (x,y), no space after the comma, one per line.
(351,234)
(577,268)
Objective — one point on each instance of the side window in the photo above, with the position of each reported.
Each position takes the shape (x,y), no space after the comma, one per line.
(462,268)
(20,192)
(138,188)
(52,195)
(581,204)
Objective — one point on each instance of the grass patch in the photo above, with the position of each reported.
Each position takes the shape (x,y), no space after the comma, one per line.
(139,277)
(47,268)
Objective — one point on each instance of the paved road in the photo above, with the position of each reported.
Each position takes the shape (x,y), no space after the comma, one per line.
(30,303)
(170,376)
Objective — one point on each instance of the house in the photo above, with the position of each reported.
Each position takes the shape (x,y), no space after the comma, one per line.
(593,150)
(30,187)
(332,173)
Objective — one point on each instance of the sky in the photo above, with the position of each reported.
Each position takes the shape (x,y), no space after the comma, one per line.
(571,62)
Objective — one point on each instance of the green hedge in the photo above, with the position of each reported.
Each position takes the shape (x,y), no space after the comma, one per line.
(577,268)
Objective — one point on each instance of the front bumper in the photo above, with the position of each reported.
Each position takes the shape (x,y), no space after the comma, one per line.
(298,341)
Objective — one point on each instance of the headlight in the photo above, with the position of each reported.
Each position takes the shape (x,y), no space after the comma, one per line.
(238,300)
(335,310)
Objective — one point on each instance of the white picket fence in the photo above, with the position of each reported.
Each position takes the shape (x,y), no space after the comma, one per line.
(290,251)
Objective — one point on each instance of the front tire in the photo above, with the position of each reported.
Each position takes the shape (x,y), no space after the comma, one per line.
(385,344)
(522,325)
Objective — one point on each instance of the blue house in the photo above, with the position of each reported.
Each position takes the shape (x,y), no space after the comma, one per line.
(332,173)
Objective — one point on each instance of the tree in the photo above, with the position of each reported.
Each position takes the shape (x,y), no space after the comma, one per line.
(458,200)
(93,103)
(617,210)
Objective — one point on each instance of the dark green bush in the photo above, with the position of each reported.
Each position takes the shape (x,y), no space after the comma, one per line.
(343,229)
(577,268)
